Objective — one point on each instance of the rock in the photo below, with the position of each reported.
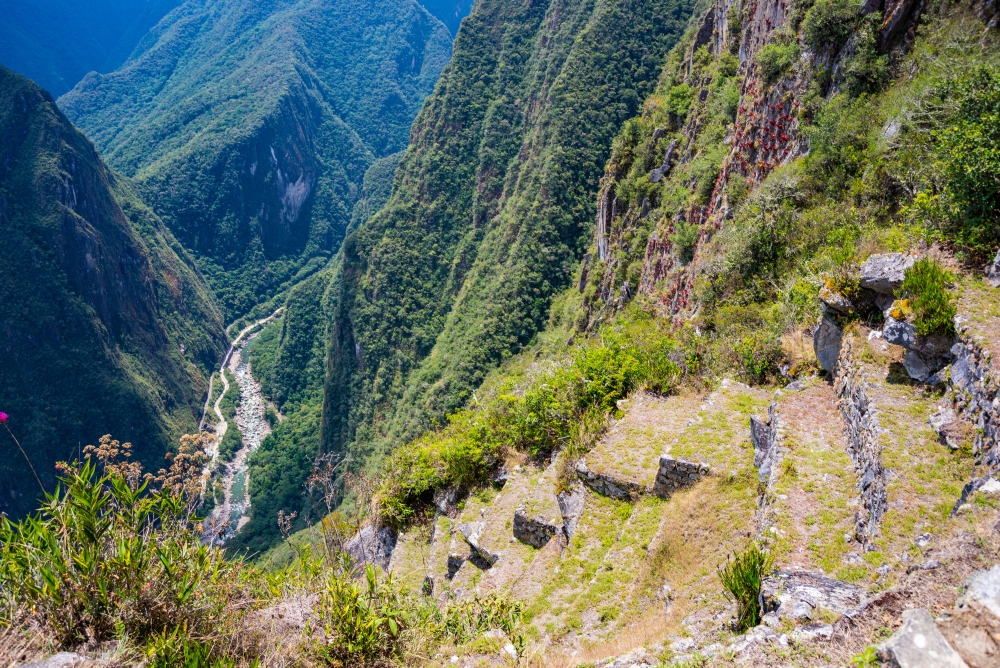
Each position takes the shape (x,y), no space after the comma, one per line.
(446,501)
(926,566)
(783,592)
(428,587)
(923,540)
(372,545)
(534,531)
(835,300)
(813,632)
(993,272)
(904,333)
(677,473)
(916,366)
(991,487)
(918,644)
(948,427)
(885,273)
(826,343)
(983,591)
(480,557)
(657,174)
(571,508)
(684,645)
(975,635)
(455,562)
(638,658)
(60,660)
(884,302)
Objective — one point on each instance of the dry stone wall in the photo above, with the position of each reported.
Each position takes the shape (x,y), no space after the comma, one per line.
(534,531)
(674,474)
(766,438)
(862,427)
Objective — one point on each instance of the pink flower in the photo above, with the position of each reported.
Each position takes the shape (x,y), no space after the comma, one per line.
(3,418)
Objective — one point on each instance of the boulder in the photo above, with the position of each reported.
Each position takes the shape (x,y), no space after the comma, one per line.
(904,333)
(479,556)
(835,300)
(885,273)
(826,343)
(918,644)
(949,427)
(795,594)
(993,272)
(916,366)
(983,591)
(372,545)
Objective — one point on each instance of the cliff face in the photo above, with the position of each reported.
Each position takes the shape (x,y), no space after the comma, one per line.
(489,211)
(106,326)
(248,126)
(759,55)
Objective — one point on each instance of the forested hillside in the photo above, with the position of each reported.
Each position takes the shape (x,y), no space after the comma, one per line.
(489,212)
(108,327)
(450,12)
(248,126)
(56,42)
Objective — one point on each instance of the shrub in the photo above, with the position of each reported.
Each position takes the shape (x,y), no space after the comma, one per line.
(775,59)
(926,287)
(972,161)
(108,558)
(866,71)
(829,23)
(742,575)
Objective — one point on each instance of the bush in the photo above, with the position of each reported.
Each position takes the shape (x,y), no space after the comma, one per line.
(775,59)
(972,161)
(926,287)
(866,71)
(107,558)
(829,23)
(742,575)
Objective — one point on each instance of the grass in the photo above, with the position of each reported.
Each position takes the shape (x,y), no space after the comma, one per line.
(926,286)
(742,575)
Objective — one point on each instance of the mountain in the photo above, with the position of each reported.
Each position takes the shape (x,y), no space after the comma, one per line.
(57,42)
(487,216)
(490,210)
(248,126)
(107,325)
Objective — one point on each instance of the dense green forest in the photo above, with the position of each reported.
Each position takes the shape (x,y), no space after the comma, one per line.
(56,42)
(107,324)
(491,209)
(248,126)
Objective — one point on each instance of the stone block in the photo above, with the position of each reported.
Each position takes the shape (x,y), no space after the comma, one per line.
(919,644)
(827,340)
(836,301)
(534,531)
(885,273)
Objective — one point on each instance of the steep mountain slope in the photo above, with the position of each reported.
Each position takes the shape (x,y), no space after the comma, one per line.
(56,42)
(450,12)
(488,212)
(248,126)
(107,325)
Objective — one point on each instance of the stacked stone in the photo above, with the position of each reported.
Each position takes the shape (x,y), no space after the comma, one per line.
(862,427)
(976,396)
(534,531)
(606,485)
(676,473)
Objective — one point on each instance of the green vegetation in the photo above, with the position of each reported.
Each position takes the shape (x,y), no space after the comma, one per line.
(926,287)
(776,58)
(248,127)
(742,575)
(489,211)
(828,23)
(233,438)
(108,326)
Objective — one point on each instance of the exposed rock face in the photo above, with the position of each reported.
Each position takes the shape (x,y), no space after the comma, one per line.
(826,343)
(676,473)
(795,594)
(373,545)
(571,506)
(764,436)
(976,395)
(862,427)
(993,272)
(478,556)
(534,531)
(668,159)
(885,273)
(836,301)
(918,644)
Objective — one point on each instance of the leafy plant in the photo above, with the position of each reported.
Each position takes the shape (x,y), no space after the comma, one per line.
(925,285)
(866,659)
(828,23)
(776,58)
(742,575)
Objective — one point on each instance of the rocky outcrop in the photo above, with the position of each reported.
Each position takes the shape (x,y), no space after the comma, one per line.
(885,273)
(534,531)
(674,474)
(372,545)
(924,354)
(796,595)
(571,508)
(479,556)
(863,431)
(826,343)
(993,272)
(918,644)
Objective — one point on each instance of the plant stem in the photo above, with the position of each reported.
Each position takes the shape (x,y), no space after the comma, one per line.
(30,465)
